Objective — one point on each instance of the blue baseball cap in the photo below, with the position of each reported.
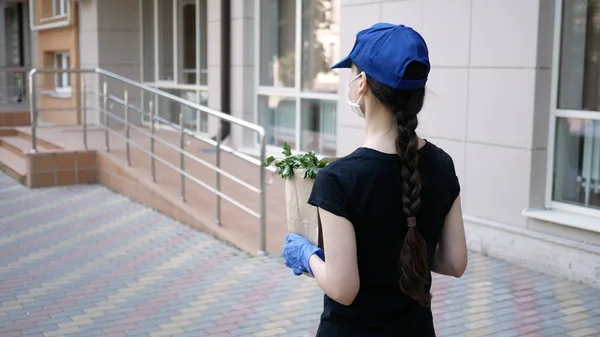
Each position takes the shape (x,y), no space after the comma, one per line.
(383,52)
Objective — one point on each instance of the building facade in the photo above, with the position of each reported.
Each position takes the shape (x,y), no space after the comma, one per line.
(513,95)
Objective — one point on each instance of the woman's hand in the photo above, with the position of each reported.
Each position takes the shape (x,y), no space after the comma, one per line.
(297,251)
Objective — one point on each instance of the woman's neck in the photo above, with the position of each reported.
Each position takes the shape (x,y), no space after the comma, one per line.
(381,133)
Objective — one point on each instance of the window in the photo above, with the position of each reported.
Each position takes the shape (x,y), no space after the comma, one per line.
(59,7)
(575,161)
(62,81)
(174,53)
(297,42)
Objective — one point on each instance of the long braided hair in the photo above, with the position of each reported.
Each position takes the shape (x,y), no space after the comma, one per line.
(413,262)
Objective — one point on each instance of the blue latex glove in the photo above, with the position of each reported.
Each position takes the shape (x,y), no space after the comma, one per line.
(297,251)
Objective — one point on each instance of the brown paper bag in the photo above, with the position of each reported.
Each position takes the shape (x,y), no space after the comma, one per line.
(302,218)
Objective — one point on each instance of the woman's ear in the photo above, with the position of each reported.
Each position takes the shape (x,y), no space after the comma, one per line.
(363,84)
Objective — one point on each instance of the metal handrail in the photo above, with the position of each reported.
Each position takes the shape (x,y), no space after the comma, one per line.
(183,172)
(195,135)
(104,110)
(185,153)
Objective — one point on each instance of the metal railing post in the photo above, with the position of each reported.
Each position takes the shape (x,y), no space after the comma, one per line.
(105,105)
(33,112)
(127,130)
(153,132)
(83,114)
(181,156)
(263,196)
(218,164)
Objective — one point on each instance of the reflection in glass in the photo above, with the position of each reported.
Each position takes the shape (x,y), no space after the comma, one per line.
(148,40)
(318,130)
(187,43)
(320,45)
(577,162)
(203,40)
(192,119)
(277,43)
(579,77)
(165,40)
(278,116)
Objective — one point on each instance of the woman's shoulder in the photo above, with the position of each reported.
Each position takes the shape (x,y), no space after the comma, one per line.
(348,163)
(437,156)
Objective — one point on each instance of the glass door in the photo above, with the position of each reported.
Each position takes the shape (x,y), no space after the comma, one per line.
(174,57)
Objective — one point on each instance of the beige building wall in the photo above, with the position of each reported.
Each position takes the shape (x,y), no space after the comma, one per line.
(214,61)
(243,66)
(110,39)
(55,109)
(488,106)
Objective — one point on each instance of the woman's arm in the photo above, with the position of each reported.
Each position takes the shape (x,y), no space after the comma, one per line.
(451,254)
(338,275)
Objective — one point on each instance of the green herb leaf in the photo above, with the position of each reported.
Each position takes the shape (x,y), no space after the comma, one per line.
(269,161)
(286,165)
(287,149)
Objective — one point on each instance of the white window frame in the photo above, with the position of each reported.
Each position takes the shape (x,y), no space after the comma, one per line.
(296,92)
(60,10)
(173,84)
(65,63)
(557,112)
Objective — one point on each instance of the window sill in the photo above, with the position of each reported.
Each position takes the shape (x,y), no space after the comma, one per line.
(58,94)
(574,220)
(255,152)
(53,18)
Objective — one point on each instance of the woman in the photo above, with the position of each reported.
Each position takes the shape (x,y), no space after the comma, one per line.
(391,210)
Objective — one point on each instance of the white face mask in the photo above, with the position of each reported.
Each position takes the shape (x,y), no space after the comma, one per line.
(355,106)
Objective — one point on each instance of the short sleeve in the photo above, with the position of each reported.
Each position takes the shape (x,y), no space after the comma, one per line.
(453,183)
(328,193)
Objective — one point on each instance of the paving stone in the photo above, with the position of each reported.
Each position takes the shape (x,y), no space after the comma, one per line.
(152,276)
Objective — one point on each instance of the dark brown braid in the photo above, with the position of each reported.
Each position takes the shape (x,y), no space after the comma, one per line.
(413,262)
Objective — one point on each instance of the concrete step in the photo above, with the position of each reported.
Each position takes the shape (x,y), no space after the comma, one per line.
(20,145)
(41,143)
(14,165)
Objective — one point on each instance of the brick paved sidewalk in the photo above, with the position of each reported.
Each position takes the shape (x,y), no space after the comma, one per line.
(82,261)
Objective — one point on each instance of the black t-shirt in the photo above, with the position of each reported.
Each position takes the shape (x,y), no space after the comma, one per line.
(365,188)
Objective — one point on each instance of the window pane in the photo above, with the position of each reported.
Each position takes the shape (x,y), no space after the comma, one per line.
(277,43)
(320,45)
(169,109)
(577,162)
(579,83)
(278,116)
(319,124)
(187,44)
(46,9)
(165,40)
(148,40)
(203,39)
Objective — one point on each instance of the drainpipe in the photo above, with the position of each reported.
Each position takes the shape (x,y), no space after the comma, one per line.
(225,129)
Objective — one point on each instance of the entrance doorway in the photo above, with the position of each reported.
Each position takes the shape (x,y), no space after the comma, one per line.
(174,38)
(14,86)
